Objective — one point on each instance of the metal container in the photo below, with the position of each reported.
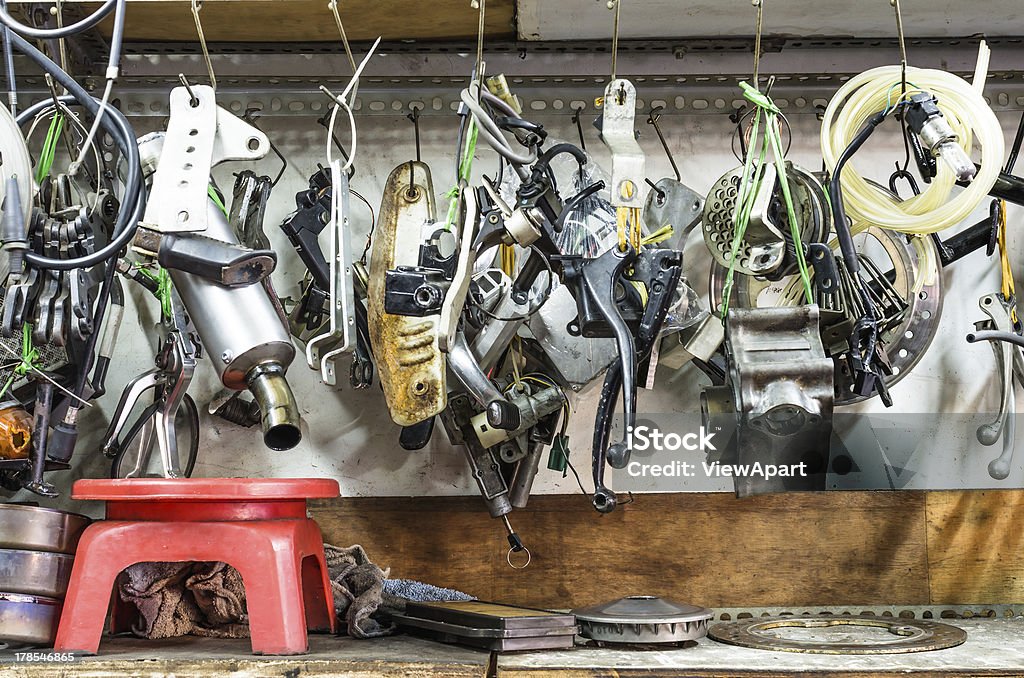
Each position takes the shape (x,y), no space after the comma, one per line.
(28,620)
(643,620)
(40,529)
(35,573)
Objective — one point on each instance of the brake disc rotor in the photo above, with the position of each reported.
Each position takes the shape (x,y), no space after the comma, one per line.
(908,635)
(917,279)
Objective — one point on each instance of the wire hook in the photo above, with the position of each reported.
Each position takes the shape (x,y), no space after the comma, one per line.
(652,120)
(196,6)
(193,100)
(579,126)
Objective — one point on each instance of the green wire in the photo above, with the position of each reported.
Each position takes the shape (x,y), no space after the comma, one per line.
(216,200)
(29,358)
(49,150)
(465,165)
(764,105)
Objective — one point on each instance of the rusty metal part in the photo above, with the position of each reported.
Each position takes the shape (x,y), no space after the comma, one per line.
(409,361)
(15,431)
(908,635)
(643,620)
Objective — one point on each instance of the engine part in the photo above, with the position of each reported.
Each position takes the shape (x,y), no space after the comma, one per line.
(763,249)
(915,276)
(28,620)
(240,328)
(498,413)
(643,620)
(35,573)
(781,387)
(40,529)
(908,635)
(455,298)
(410,364)
(672,203)
(15,431)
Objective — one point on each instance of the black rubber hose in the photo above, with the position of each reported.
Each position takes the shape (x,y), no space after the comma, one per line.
(835,189)
(134,200)
(63,32)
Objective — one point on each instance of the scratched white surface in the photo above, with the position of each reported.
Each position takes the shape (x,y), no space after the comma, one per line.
(348,434)
(990,645)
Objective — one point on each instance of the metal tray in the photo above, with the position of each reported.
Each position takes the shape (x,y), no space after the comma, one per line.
(35,573)
(474,632)
(28,620)
(40,529)
(482,614)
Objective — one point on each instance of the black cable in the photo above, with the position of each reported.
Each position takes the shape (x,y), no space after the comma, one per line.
(1015,149)
(574,202)
(835,189)
(12,88)
(134,200)
(64,31)
(993,335)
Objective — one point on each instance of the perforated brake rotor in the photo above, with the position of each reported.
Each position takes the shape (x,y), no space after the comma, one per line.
(907,342)
(765,241)
(906,635)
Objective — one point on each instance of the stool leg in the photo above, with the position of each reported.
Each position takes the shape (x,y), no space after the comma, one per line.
(273,596)
(314,597)
(102,556)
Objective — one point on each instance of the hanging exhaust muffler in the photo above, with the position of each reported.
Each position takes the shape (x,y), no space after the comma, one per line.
(224,286)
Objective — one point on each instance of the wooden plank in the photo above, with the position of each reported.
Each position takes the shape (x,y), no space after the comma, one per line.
(310,20)
(840,548)
(975,543)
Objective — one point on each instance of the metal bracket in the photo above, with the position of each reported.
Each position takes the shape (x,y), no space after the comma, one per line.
(199,136)
(619,134)
(343,299)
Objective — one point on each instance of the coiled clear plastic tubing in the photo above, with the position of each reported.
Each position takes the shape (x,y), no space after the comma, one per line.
(936,208)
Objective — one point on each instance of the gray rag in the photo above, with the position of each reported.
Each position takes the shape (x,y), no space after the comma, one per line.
(208,599)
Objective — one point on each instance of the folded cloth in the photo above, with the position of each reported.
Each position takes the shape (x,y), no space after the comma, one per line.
(177,599)
(208,599)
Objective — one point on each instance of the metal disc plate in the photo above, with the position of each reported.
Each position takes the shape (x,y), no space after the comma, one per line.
(643,620)
(907,635)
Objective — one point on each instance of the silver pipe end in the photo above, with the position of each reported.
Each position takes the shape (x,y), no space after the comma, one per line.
(279,412)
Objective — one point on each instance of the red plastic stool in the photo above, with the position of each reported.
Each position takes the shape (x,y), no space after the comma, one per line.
(257,525)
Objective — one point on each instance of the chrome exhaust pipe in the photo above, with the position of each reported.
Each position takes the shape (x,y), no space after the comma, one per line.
(279,412)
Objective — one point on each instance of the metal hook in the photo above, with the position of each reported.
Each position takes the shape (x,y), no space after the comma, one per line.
(250,116)
(193,100)
(652,120)
(414,118)
(579,126)
(196,6)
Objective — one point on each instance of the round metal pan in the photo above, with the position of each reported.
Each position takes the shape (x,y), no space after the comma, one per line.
(35,573)
(40,529)
(28,620)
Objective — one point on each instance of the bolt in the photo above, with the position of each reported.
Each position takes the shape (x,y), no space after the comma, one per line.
(627,189)
(226,357)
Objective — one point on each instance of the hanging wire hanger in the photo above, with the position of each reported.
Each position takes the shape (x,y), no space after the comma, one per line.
(196,6)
